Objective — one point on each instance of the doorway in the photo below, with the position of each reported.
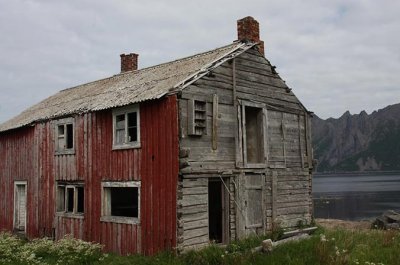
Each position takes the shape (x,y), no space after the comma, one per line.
(218,211)
(20,206)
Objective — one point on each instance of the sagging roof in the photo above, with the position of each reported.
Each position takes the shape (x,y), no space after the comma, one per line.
(127,88)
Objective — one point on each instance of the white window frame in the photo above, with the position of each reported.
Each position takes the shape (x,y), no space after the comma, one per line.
(66,186)
(21,183)
(106,202)
(125,111)
(242,133)
(63,150)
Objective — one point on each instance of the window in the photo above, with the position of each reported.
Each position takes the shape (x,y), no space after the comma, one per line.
(197,117)
(70,198)
(121,202)
(65,136)
(254,140)
(126,124)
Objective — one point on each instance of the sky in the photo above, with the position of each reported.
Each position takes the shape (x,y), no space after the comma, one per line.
(335,55)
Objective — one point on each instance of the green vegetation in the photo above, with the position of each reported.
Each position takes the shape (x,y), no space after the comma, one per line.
(325,247)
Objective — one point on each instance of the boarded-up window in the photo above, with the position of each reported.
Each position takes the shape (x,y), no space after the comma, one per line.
(287,141)
(70,198)
(121,202)
(126,127)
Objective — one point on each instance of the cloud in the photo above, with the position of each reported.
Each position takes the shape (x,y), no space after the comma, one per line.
(336,55)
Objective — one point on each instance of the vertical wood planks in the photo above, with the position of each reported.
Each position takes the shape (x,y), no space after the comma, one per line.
(28,154)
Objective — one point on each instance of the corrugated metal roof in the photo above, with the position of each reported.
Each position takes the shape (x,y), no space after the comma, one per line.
(127,88)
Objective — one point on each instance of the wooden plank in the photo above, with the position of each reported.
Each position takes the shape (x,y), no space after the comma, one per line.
(308,140)
(196,241)
(194,199)
(195,233)
(195,190)
(274,194)
(215,123)
(190,114)
(195,224)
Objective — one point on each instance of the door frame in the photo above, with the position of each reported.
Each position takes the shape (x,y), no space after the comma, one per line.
(16,184)
(225,207)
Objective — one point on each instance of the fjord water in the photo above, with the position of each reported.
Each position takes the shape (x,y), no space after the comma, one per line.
(355,197)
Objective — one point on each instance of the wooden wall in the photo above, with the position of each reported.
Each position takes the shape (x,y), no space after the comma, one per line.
(28,154)
(286,186)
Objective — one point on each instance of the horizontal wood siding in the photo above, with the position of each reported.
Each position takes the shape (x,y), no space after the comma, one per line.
(193,213)
(294,199)
(251,79)
(29,154)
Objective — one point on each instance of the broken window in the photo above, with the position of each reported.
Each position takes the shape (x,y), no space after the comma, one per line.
(65,136)
(121,201)
(253,141)
(126,127)
(70,198)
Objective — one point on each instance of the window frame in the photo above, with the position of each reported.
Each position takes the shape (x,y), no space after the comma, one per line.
(242,133)
(64,211)
(64,123)
(106,202)
(125,111)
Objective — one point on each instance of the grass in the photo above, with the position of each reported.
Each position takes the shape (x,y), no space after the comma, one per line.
(325,247)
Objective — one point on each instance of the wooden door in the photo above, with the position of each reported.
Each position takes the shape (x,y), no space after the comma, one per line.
(252,197)
(20,206)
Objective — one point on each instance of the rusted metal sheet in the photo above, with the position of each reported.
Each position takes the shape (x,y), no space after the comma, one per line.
(29,154)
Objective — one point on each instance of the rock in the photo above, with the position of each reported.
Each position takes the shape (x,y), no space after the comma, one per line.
(267,245)
(389,220)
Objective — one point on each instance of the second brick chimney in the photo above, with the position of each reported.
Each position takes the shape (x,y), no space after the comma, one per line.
(248,29)
(129,62)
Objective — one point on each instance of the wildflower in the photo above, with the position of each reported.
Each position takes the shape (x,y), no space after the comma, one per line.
(222,256)
(323,238)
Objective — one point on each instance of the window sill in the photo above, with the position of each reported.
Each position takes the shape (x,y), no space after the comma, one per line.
(120,219)
(126,146)
(65,152)
(71,215)
(255,166)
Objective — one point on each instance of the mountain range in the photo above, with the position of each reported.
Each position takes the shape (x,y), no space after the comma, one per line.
(358,142)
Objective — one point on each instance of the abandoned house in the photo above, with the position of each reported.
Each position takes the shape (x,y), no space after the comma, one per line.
(211,147)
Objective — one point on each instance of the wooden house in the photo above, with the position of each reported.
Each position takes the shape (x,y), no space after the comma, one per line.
(211,147)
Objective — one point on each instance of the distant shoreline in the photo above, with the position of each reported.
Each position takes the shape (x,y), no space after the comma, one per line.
(357,173)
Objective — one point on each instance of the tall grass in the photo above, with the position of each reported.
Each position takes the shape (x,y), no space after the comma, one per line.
(325,247)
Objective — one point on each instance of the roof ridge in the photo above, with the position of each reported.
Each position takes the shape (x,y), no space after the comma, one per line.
(151,67)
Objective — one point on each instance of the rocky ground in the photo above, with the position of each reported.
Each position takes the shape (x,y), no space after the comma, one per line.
(334,223)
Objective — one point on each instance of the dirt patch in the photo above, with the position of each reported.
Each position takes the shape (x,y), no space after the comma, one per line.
(334,223)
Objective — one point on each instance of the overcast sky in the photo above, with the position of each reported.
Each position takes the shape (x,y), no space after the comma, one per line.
(336,55)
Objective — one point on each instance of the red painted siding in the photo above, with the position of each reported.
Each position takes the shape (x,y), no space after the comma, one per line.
(28,154)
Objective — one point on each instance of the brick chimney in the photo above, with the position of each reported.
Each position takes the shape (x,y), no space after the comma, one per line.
(129,62)
(249,30)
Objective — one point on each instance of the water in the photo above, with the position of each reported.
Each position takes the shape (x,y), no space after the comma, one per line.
(355,197)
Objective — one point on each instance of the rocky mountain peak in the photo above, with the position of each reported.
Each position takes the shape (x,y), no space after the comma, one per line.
(358,142)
